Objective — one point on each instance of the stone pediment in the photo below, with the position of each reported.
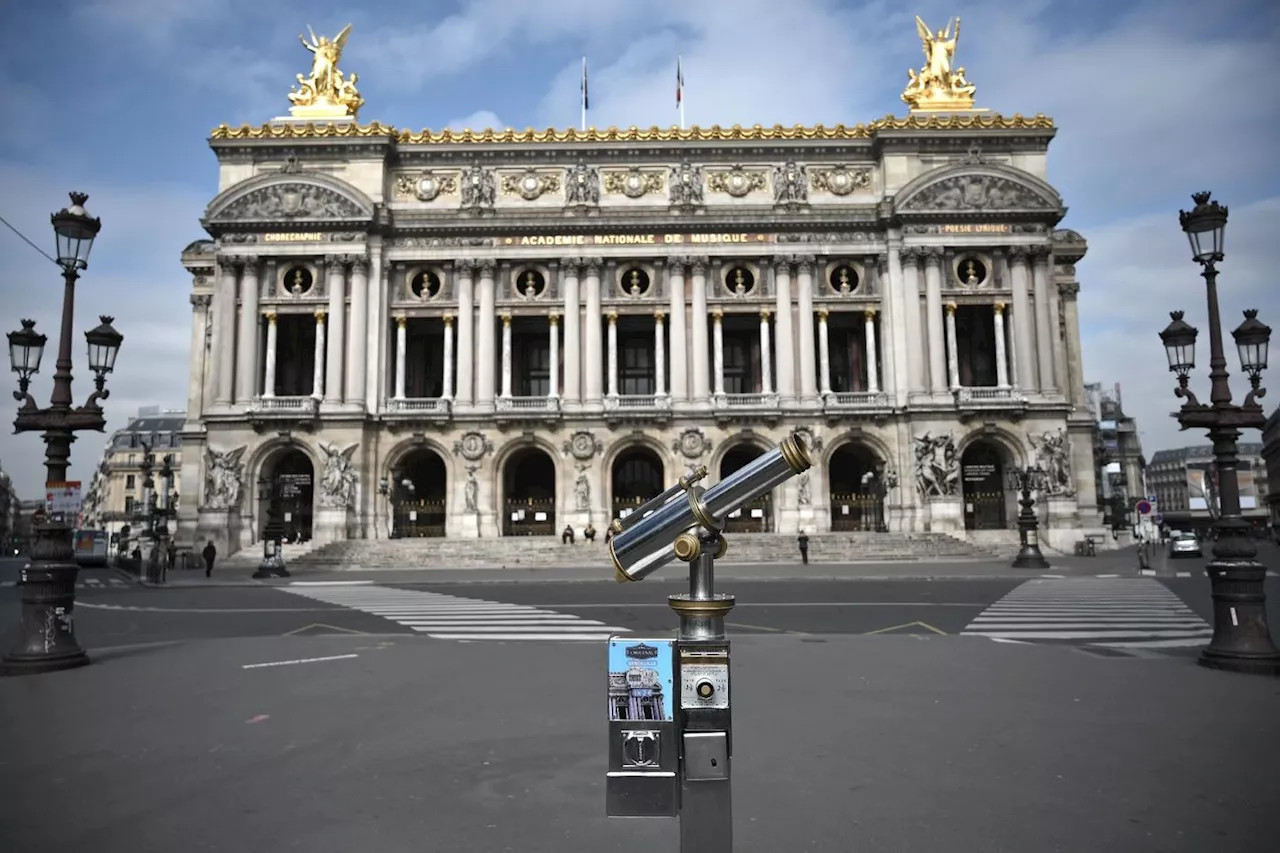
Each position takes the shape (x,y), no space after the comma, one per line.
(972,188)
(291,199)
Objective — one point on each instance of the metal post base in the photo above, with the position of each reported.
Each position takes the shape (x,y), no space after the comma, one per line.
(1241,638)
(271,567)
(47,640)
(1029,557)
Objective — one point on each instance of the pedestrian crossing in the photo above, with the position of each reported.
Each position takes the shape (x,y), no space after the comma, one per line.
(451,617)
(88,583)
(1117,613)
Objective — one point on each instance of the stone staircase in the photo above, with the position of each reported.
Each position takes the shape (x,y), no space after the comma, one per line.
(534,551)
(251,557)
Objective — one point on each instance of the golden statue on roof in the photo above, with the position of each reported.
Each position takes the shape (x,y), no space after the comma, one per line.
(326,93)
(936,87)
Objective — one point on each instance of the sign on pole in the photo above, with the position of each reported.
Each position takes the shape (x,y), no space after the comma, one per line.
(63,498)
(1144,508)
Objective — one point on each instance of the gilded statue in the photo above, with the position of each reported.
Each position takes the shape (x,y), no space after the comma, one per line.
(326,92)
(937,87)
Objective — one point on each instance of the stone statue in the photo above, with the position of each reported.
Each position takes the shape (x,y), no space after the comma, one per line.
(790,184)
(937,465)
(936,87)
(471,490)
(338,482)
(1053,455)
(582,491)
(805,498)
(685,184)
(581,184)
(224,476)
(326,91)
(479,189)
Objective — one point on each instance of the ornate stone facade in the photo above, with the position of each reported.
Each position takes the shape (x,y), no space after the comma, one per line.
(481,334)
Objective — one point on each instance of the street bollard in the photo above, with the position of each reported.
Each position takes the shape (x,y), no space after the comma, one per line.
(670,719)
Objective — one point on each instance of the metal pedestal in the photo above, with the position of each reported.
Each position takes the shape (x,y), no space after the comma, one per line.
(47,641)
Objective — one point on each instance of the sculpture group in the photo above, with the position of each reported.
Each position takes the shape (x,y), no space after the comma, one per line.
(936,87)
(326,92)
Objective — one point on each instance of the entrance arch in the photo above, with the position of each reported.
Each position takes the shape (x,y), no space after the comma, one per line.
(529,493)
(418,486)
(982,486)
(856,489)
(292,476)
(636,477)
(757,516)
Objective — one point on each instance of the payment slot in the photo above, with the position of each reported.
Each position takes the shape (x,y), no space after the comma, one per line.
(644,750)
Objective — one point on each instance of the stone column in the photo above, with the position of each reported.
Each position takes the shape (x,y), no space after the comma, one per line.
(766,352)
(447,392)
(808,374)
(485,321)
(269,375)
(358,343)
(317,370)
(375,332)
(679,346)
(613,354)
(337,326)
(224,333)
(717,355)
(553,322)
(248,340)
(659,355)
(824,353)
(1056,329)
(196,368)
(782,330)
(701,389)
(1002,369)
(873,352)
(953,356)
(466,335)
(402,354)
(572,331)
(506,356)
(1070,290)
(1023,321)
(595,355)
(1044,321)
(933,309)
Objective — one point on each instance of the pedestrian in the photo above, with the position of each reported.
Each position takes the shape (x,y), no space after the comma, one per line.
(803,541)
(589,533)
(209,553)
(566,538)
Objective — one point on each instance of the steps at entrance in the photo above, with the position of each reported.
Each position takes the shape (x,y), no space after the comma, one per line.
(533,551)
(252,556)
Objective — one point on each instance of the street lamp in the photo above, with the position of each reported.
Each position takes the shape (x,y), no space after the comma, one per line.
(1241,639)
(1025,481)
(272,565)
(47,639)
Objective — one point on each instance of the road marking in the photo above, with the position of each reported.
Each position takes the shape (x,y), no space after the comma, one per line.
(135,609)
(924,625)
(300,660)
(1105,576)
(741,604)
(320,625)
(330,583)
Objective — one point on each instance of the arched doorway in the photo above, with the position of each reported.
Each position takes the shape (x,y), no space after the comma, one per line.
(854,474)
(757,516)
(291,476)
(417,488)
(529,487)
(982,486)
(636,477)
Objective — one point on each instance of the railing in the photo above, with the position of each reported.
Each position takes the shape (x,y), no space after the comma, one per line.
(988,395)
(419,406)
(283,406)
(857,512)
(528,404)
(529,517)
(637,402)
(755,517)
(419,519)
(746,401)
(856,400)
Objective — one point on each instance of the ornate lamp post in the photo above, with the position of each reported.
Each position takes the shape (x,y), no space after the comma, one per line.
(163,510)
(1025,481)
(47,641)
(1241,639)
(272,565)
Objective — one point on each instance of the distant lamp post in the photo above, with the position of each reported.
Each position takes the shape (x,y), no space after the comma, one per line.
(47,639)
(1025,481)
(1241,638)
(272,565)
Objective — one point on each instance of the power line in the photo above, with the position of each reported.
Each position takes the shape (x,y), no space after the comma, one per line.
(25,240)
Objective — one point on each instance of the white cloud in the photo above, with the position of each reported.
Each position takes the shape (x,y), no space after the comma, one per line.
(480,120)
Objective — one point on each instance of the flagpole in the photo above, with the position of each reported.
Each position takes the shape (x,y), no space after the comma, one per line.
(584,94)
(680,75)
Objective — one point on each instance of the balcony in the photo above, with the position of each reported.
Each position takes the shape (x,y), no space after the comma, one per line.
(852,405)
(970,401)
(526,409)
(746,407)
(406,411)
(273,410)
(637,408)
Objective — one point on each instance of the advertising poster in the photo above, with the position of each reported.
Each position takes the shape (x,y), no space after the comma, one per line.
(1248,487)
(1197,489)
(640,680)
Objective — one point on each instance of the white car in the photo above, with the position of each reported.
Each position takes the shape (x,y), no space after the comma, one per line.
(1184,546)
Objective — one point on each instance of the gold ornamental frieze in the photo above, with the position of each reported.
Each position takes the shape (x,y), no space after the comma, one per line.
(426,186)
(738,181)
(633,183)
(840,180)
(636,239)
(530,184)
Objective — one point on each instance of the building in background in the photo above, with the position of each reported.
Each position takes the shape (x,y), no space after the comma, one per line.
(10,509)
(1184,482)
(1271,461)
(1118,455)
(114,495)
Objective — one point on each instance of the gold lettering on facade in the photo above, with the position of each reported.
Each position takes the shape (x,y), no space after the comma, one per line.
(976,229)
(293,237)
(633,239)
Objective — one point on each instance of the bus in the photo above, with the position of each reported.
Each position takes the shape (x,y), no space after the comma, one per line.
(91,547)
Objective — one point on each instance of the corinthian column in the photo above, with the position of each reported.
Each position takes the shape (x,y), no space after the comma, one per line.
(824,353)
(248,342)
(553,322)
(484,336)
(448,357)
(595,357)
(679,347)
(717,354)
(782,329)
(337,326)
(199,352)
(613,354)
(1002,369)
(1069,292)
(804,284)
(402,354)
(572,331)
(766,366)
(1023,321)
(873,352)
(1045,323)
(358,343)
(701,389)
(269,379)
(223,345)
(317,369)
(506,356)
(933,308)
(953,356)
(659,356)
(466,335)
(910,260)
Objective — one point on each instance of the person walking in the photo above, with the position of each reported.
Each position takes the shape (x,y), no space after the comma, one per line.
(209,553)
(803,541)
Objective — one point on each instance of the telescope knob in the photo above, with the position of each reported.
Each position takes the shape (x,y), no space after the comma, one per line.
(687,547)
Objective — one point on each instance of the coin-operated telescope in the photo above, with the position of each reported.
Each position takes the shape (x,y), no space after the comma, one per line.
(670,733)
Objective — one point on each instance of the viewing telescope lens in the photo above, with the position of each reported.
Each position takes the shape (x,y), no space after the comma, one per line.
(645,545)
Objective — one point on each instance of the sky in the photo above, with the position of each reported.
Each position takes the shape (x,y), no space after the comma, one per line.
(1154,100)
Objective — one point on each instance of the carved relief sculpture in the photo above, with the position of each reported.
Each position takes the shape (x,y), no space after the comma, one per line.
(582,490)
(737,182)
(530,186)
(805,497)
(478,188)
(473,446)
(790,184)
(686,184)
(632,183)
(937,465)
(291,201)
(693,443)
(937,88)
(582,184)
(841,180)
(224,478)
(976,192)
(582,446)
(426,186)
(338,481)
(326,92)
(471,490)
(1053,455)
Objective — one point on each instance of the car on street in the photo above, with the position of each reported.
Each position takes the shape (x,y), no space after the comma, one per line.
(1184,545)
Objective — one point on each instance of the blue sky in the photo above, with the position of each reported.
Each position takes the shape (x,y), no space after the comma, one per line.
(1154,100)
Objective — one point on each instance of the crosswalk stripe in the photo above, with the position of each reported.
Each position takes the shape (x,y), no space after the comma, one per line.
(450,617)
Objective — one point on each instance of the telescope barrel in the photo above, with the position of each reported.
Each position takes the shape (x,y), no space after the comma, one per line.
(621,524)
(646,545)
